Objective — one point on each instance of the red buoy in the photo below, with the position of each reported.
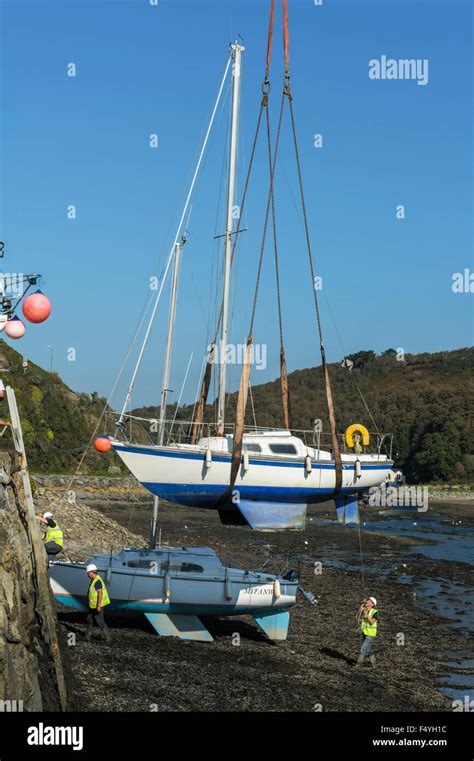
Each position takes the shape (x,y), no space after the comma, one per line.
(102,444)
(36,307)
(15,328)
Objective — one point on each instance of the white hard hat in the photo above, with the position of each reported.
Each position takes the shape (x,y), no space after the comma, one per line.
(47,515)
(373,600)
(91,567)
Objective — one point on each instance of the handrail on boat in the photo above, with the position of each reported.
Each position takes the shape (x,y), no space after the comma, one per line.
(141,430)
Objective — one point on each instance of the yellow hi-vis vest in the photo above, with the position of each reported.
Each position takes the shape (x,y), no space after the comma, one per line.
(370,630)
(93,593)
(54,534)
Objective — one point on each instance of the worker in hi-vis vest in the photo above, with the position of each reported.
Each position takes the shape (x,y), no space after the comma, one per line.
(98,598)
(368,624)
(53,535)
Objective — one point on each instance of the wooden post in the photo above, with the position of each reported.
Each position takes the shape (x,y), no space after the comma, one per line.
(44,590)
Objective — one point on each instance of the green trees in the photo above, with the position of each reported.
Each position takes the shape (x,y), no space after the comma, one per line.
(57,423)
(440,456)
(361,358)
(425,401)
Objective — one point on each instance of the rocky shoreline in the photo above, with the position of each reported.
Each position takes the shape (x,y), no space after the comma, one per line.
(312,670)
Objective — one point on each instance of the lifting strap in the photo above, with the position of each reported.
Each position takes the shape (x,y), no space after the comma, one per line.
(245,375)
(199,416)
(327,380)
(270,39)
(243,389)
(244,380)
(240,414)
(284,388)
(206,382)
(286,36)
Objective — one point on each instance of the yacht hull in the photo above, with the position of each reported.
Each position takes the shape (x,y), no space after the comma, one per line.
(271,493)
(173,602)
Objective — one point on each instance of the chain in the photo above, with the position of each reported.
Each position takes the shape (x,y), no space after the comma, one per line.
(267,212)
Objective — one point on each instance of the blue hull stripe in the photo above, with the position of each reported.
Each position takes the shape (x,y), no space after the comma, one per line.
(220,458)
(122,606)
(206,495)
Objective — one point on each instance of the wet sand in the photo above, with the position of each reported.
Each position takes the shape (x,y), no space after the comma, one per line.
(314,669)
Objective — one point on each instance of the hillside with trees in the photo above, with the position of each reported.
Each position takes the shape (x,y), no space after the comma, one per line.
(57,422)
(426,401)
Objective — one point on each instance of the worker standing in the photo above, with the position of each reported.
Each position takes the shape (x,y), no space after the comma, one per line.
(53,536)
(368,615)
(98,598)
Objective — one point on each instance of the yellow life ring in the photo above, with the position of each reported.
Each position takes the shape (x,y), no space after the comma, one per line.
(356,428)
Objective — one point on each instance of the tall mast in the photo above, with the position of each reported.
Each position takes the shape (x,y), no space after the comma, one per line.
(171,253)
(237,51)
(169,339)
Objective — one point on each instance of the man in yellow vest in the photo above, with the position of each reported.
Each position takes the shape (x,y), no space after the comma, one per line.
(98,598)
(53,536)
(368,623)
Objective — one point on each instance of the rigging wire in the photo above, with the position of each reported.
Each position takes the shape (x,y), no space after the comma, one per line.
(353,380)
(361,559)
(197,391)
(180,394)
(170,256)
(107,403)
(148,304)
(253,407)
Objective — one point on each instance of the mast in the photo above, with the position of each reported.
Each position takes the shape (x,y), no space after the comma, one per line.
(237,51)
(171,253)
(166,372)
(169,339)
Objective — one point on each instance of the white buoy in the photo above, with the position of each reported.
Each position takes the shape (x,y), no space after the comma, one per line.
(246,461)
(276,589)
(358,469)
(308,465)
(228,588)
(208,458)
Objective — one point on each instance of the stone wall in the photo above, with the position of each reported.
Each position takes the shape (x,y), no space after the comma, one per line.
(93,482)
(27,669)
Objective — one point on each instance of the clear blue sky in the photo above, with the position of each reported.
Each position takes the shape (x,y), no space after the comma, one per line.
(144,69)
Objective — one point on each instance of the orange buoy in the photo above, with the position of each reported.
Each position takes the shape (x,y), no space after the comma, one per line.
(36,307)
(103,444)
(15,328)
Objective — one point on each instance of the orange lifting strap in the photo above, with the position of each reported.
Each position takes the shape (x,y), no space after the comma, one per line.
(286,37)
(270,39)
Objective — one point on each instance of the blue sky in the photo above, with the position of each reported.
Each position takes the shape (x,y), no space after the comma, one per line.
(143,69)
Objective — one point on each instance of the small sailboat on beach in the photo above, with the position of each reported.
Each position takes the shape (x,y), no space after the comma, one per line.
(264,478)
(174,586)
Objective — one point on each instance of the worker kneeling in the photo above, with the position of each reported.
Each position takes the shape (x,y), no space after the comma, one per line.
(368,623)
(98,599)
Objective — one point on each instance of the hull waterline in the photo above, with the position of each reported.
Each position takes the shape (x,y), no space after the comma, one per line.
(270,493)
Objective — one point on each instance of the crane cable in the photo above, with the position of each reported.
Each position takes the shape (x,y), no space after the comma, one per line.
(329,397)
